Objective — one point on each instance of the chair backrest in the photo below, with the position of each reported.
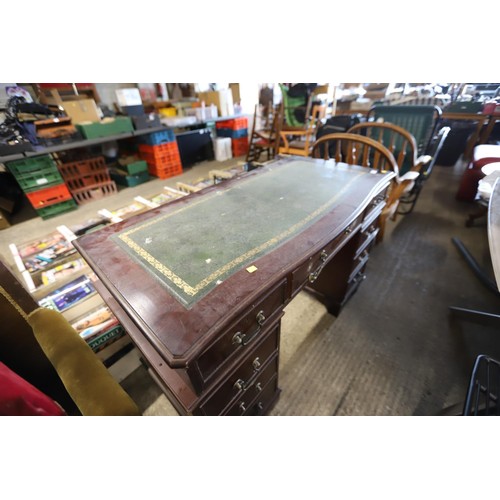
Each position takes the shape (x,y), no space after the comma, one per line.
(396,139)
(420,121)
(318,113)
(290,105)
(355,149)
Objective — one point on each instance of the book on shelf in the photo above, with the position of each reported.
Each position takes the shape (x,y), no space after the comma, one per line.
(99,342)
(61,271)
(124,212)
(95,322)
(99,328)
(42,253)
(69,294)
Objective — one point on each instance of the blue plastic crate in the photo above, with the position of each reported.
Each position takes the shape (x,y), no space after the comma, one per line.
(158,137)
(234,134)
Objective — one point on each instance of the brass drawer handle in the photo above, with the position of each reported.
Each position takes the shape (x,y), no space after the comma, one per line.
(258,387)
(348,230)
(323,256)
(243,338)
(242,407)
(241,385)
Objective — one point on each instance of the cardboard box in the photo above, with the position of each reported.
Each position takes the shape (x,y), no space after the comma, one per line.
(235,89)
(84,110)
(223,99)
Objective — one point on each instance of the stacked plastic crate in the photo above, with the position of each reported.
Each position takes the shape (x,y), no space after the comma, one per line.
(88,179)
(44,187)
(161,153)
(237,130)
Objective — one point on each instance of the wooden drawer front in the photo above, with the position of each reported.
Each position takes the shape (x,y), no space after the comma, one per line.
(258,405)
(373,210)
(239,337)
(309,271)
(353,284)
(359,264)
(246,381)
(367,238)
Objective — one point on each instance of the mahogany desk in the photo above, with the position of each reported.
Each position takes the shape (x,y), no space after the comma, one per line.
(200,284)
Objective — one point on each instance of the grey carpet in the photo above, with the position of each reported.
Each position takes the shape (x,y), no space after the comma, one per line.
(394,349)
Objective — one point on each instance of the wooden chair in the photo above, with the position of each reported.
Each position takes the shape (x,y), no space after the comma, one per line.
(401,144)
(355,149)
(299,142)
(265,139)
(424,123)
(41,347)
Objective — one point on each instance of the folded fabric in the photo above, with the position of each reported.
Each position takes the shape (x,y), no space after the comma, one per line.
(19,398)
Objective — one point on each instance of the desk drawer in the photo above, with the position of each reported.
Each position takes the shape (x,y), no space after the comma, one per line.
(367,238)
(258,405)
(359,264)
(353,285)
(373,210)
(309,271)
(248,380)
(241,336)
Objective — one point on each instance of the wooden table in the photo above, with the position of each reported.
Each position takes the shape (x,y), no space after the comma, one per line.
(482,132)
(211,339)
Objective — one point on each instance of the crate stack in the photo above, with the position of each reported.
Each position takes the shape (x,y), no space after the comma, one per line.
(130,171)
(161,153)
(44,187)
(237,130)
(88,179)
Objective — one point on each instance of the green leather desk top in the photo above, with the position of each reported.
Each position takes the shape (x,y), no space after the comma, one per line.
(194,248)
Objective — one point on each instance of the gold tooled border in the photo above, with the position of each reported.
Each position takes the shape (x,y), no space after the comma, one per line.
(13,303)
(193,290)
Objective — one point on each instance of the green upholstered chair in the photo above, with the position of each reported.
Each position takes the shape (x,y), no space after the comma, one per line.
(290,104)
(424,123)
(40,346)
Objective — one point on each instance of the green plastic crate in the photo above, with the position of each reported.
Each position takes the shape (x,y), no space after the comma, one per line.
(119,125)
(137,167)
(130,180)
(44,178)
(32,165)
(58,208)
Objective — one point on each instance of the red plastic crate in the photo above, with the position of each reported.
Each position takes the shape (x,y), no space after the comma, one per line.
(160,149)
(164,160)
(88,180)
(233,124)
(49,196)
(165,172)
(82,167)
(239,146)
(97,192)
